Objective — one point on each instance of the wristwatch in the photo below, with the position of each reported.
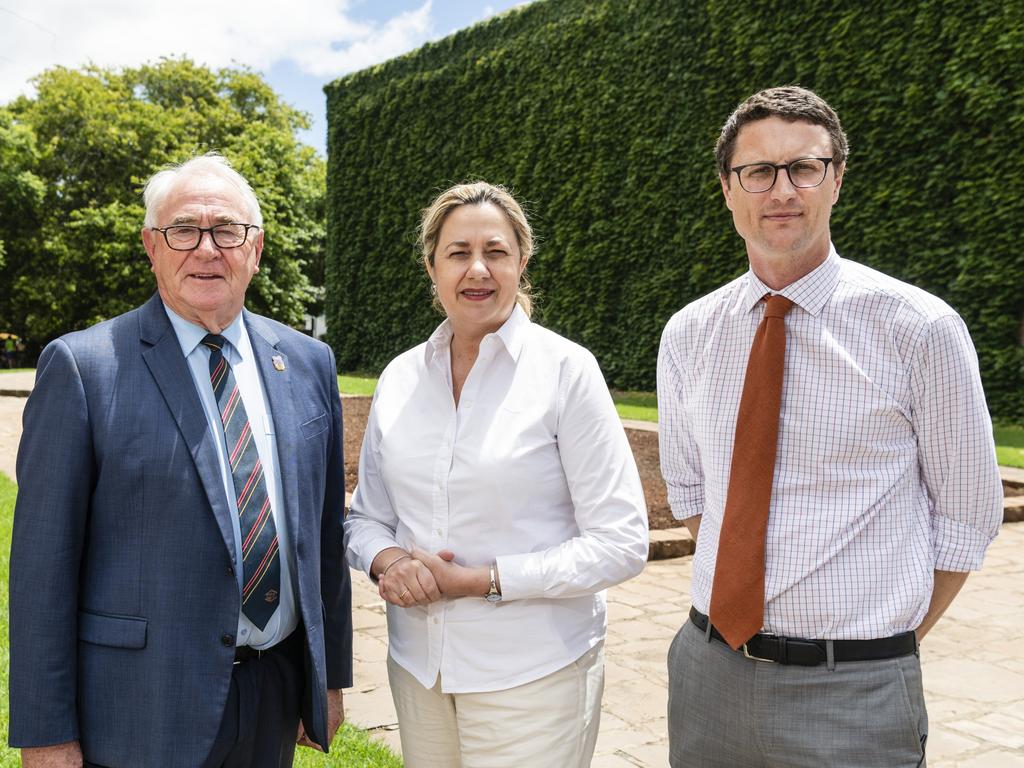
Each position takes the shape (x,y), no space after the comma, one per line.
(493,595)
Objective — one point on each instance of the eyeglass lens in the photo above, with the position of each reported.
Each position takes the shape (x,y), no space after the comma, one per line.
(808,172)
(187,237)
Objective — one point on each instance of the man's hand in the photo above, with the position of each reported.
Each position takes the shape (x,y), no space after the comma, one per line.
(66,755)
(947,585)
(335,712)
(335,717)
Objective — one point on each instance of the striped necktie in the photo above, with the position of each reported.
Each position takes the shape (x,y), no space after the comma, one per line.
(261,566)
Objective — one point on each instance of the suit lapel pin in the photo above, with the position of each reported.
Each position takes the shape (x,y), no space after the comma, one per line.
(278,362)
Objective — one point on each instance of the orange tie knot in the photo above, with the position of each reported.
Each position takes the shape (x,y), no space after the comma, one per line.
(777,306)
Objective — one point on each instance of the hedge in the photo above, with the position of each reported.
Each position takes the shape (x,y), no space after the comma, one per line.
(602,116)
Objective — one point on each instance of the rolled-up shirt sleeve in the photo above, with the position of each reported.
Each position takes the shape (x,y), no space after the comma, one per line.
(956,448)
(680,456)
(606,493)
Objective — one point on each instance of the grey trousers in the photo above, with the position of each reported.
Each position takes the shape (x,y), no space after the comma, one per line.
(727,711)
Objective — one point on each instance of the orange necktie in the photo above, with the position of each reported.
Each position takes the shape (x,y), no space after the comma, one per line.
(737,596)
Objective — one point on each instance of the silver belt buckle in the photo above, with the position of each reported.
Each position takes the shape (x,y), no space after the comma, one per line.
(749,655)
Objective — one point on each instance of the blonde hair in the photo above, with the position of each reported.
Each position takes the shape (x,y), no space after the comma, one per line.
(478,193)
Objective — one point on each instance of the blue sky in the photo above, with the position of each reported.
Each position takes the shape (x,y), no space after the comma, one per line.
(299,46)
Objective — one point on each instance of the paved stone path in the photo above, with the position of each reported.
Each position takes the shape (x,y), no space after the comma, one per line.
(973,665)
(973,660)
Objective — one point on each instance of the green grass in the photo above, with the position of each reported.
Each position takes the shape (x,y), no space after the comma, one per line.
(356,384)
(17,370)
(9,758)
(352,747)
(1010,444)
(641,406)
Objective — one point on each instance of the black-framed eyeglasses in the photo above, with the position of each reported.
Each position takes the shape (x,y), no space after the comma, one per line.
(186,237)
(804,172)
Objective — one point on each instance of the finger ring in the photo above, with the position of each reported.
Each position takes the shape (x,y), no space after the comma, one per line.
(402,596)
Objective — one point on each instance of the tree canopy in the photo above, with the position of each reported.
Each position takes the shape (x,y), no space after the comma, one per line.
(74,159)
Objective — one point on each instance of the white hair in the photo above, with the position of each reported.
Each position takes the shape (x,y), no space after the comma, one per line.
(210,164)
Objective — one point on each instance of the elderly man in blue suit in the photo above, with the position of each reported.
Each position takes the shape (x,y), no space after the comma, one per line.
(178,593)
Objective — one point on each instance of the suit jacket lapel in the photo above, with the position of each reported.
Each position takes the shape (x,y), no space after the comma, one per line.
(162,355)
(276,375)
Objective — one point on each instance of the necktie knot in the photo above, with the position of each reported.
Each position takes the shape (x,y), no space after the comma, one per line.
(777,305)
(214,341)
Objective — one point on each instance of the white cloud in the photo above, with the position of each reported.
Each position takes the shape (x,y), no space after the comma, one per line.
(400,34)
(318,35)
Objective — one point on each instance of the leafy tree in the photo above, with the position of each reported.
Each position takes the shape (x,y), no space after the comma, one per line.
(80,151)
(21,190)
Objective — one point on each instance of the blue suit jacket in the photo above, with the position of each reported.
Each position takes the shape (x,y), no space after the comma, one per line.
(124,599)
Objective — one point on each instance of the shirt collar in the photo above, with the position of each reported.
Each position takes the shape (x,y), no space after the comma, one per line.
(190,335)
(811,292)
(510,334)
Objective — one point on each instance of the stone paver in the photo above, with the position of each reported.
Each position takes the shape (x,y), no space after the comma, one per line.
(973,665)
(973,660)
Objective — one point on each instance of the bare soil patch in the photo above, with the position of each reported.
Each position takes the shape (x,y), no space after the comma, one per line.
(644,445)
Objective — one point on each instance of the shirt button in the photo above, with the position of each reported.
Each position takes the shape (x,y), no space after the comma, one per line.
(227,640)
(437,620)
(439,532)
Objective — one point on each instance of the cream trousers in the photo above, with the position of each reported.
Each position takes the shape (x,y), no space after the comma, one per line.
(549,723)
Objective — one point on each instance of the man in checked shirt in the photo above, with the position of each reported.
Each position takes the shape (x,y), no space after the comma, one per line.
(843,484)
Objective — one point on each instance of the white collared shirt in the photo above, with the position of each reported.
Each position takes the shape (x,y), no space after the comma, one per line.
(886,466)
(532,470)
(239,354)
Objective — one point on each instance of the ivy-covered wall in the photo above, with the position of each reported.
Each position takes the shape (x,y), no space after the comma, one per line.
(602,116)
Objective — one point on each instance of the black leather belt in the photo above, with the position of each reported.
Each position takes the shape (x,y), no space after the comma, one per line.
(811,653)
(245,653)
(290,645)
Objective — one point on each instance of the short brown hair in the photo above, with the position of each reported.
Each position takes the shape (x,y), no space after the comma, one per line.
(478,193)
(789,102)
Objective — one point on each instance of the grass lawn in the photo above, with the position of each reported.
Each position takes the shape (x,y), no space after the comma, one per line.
(356,384)
(641,406)
(1010,445)
(352,748)
(9,758)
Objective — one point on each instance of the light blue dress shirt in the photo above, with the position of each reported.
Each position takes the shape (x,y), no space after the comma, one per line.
(239,354)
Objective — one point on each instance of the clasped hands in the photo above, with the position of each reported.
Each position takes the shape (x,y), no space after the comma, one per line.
(417,577)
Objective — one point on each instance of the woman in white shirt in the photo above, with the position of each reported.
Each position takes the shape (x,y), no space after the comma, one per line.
(497,499)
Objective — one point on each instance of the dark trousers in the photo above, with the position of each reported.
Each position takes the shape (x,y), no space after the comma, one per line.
(261,717)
